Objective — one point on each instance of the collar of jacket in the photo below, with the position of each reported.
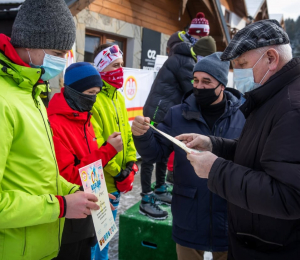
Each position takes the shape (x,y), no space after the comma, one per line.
(25,77)
(59,106)
(193,54)
(108,90)
(183,48)
(191,110)
(257,97)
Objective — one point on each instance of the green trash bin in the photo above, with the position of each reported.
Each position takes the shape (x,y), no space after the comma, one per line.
(142,238)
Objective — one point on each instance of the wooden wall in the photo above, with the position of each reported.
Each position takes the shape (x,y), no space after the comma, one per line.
(79,5)
(157,15)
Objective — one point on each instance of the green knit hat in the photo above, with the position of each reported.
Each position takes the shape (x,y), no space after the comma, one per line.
(44,24)
(205,46)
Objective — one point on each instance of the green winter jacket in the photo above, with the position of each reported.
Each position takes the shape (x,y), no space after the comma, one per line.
(110,115)
(29,178)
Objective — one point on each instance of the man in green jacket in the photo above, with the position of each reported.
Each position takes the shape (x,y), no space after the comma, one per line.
(34,198)
(110,115)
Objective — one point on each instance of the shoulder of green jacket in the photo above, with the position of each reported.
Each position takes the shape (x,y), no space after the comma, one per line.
(26,78)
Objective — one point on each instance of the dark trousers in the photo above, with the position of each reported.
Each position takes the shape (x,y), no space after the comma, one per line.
(146,174)
(75,251)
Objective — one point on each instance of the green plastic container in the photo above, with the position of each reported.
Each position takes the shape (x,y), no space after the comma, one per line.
(142,238)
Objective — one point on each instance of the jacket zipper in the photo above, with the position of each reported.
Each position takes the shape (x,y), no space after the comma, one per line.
(53,155)
(118,122)
(84,130)
(24,242)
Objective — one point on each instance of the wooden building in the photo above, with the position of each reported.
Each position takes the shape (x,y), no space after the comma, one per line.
(126,22)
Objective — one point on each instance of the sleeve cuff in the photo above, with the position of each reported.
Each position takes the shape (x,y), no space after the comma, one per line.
(62,206)
(111,150)
(214,143)
(213,172)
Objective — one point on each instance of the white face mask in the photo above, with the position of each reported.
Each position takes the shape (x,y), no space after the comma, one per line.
(244,78)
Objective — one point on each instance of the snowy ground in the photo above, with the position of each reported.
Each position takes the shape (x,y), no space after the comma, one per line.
(127,200)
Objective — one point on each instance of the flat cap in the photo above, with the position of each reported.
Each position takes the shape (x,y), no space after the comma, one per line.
(256,35)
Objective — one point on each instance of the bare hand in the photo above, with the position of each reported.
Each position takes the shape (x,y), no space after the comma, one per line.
(202,163)
(111,197)
(196,141)
(138,127)
(115,140)
(80,204)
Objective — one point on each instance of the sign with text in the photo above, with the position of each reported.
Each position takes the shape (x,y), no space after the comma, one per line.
(136,88)
(93,181)
(150,47)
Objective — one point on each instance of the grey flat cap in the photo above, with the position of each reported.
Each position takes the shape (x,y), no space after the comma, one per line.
(259,34)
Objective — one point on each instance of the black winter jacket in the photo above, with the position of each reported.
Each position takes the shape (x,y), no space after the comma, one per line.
(171,83)
(199,216)
(262,184)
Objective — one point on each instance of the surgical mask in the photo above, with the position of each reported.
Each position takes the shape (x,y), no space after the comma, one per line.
(51,64)
(244,78)
(205,97)
(79,101)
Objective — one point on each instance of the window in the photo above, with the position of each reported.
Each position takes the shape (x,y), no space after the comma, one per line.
(91,42)
(94,39)
(227,16)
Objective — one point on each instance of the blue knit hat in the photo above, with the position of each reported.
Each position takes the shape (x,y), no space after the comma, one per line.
(213,66)
(82,76)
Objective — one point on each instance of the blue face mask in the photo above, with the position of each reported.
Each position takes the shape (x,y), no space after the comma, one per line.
(244,79)
(52,65)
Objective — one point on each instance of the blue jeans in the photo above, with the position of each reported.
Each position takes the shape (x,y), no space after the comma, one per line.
(103,255)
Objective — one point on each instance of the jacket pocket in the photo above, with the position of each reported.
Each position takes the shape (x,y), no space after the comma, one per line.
(185,207)
(258,243)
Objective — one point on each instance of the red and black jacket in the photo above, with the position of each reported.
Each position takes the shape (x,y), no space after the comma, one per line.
(75,147)
(74,139)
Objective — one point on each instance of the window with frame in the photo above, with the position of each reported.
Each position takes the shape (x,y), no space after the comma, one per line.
(94,39)
(227,16)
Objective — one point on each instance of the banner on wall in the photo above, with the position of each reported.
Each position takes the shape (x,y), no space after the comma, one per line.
(136,88)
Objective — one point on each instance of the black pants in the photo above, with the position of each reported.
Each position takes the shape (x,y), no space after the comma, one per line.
(75,251)
(146,174)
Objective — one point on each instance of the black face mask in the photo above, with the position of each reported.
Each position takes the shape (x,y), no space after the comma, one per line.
(205,97)
(79,101)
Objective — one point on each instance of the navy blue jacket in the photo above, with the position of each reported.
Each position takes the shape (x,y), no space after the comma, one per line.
(199,216)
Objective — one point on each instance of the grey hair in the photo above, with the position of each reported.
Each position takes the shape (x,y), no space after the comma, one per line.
(284,51)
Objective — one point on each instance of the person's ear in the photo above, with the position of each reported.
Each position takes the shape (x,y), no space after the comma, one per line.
(273,59)
(222,87)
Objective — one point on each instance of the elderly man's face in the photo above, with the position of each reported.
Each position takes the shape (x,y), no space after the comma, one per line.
(251,59)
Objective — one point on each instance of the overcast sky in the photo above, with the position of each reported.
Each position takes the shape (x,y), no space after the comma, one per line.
(289,8)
